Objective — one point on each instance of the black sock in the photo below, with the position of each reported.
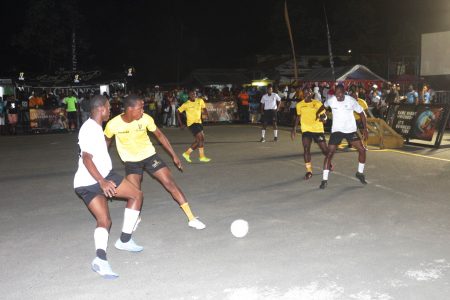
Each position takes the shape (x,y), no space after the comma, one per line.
(101,254)
(125,237)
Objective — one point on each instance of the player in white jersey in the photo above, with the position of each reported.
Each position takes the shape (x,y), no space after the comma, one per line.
(344,127)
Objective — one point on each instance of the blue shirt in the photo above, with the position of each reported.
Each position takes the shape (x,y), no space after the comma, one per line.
(427,98)
(411,97)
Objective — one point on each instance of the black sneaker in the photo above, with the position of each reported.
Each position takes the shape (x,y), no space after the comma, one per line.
(323,184)
(361,177)
(275,139)
(262,140)
(308,175)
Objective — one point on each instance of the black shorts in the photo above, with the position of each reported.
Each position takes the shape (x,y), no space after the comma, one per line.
(270,116)
(337,137)
(196,128)
(317,137)
(87,193)
(150,164)
(72,115)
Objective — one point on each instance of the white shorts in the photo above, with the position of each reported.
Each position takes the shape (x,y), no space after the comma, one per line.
(2,121)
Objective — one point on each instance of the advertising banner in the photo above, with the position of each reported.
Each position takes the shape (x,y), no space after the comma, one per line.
(222,111)
(48,119)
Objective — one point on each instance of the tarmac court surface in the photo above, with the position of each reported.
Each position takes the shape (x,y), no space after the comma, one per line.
(387,240)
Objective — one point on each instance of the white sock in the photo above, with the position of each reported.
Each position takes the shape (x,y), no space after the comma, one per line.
(101,235)
(325,174)
(130,217)
(275,133)
(263,133)
(361,168)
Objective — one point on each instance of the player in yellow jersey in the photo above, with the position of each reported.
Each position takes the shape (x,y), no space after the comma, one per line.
(311,124)
(194,108)
(359,124)
(139,155)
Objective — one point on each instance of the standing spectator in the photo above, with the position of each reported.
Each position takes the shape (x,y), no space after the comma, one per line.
(12,109)
(392,96)
(116,106)
(152,107)
(72,110)
(412,97)
(158,96)
(85,109)
(35,101)
(426,95)
(317,95)
(243,105)
(172,114)
(292,99)
(2,115)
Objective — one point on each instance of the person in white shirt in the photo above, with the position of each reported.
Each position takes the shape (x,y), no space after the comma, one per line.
(344,127)
(270,103)
(95,183)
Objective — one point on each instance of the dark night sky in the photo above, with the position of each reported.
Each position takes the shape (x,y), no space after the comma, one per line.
(154,36)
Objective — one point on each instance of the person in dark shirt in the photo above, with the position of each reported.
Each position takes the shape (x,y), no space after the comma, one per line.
(12,110)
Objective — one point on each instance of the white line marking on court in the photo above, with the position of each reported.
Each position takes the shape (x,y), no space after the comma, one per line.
(411,154)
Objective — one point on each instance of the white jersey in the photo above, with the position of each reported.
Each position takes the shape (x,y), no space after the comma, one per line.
(92,140)
(343,118)
(270,102)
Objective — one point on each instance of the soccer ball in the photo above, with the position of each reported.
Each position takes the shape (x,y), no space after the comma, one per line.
(239,228)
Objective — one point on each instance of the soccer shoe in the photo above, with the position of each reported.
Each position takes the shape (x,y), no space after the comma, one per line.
(186,157)
(103,268)
(128,246)
(323,184)
(197,224)
(308,175)
(262,140)
(275,139)
(361,177)
(204,159)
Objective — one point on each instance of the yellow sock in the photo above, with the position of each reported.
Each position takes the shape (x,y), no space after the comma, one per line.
(308,167)
(201,152)
(187,210)
(189,151)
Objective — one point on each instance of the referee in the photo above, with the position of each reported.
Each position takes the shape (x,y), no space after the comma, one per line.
(270,103)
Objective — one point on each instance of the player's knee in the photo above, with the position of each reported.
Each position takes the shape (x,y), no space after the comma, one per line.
(104,222)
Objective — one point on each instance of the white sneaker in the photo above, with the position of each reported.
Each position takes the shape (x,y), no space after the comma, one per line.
(128,246)
(103,268)
(197,224)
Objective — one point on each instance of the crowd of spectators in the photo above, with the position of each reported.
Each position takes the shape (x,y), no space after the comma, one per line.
(162,104)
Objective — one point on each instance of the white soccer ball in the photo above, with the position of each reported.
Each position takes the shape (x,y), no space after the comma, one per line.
(239,228)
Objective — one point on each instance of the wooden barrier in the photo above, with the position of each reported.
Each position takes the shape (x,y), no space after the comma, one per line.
(382,135)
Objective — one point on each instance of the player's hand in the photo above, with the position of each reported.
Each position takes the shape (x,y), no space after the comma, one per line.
(108,187)
(292,134)
(177,163)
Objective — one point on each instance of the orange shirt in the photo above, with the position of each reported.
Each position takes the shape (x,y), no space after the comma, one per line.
(244,98)
(36,101)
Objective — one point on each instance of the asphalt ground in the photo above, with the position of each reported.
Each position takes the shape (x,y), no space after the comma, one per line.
(386,240)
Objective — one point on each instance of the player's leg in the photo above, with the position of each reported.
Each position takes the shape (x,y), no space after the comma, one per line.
(322,143)
(306,141)
(99,208)
(201,147)
(358,145)
(275,126)
(335,139)
(164,176)
(264,127)
(127,190)
(186,154)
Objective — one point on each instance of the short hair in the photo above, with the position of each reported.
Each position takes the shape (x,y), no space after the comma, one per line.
(131,101)
(340,86)
(97,101)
